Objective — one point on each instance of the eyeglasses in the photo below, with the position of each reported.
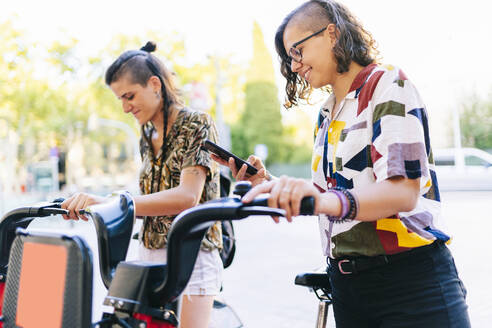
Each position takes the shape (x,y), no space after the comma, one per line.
(296,54)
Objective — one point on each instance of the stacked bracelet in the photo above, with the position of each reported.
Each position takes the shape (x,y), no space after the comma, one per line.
(354,207)
(344,203)
(348,203)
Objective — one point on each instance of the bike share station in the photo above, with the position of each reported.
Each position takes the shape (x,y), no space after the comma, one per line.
(46,279)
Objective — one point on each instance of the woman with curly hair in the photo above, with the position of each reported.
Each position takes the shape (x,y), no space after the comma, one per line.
(373,177)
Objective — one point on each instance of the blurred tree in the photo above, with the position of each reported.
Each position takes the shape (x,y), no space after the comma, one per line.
(48,93)
(14,68)
(172,51)
(62,55)
(231,75)
(41,108)
(261,65)
(298,136)
(476,122)
(33,109)
(261,121)
(30,104)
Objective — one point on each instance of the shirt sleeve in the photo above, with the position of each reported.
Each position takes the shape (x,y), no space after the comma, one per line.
(200,127)
(400,141)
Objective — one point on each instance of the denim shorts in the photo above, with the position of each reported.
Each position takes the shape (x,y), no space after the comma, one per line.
(421,290)
(206,278)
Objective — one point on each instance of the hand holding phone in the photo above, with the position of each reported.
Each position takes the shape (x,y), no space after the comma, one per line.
(225,155)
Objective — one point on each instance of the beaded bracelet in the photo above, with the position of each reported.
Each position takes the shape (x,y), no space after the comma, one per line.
(349,204)
(344,203)
(354,206)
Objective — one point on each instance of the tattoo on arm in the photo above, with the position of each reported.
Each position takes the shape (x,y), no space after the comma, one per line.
(194,171)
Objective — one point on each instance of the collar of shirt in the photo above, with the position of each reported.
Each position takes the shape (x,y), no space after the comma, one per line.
(353,93)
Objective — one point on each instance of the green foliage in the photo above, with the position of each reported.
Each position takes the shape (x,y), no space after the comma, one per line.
(296,151)
(43,109)
(13,53)
(476,123)
(261,67)
(13,67)
(261,122)
(30,105)
(217,72)
(62,55)
(53,109)
(51,105)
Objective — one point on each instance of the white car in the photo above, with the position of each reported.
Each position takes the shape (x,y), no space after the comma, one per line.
(463,169)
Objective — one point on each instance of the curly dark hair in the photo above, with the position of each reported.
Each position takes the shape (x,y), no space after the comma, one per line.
(353,43)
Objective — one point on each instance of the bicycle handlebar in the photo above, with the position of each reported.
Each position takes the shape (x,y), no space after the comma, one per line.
(21,218)
(113,221)
(189,228)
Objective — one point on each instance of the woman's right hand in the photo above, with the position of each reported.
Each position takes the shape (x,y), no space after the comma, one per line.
(77,202)
(287,193)
(260,177)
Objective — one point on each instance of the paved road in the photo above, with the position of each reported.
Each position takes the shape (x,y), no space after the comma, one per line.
(260,283)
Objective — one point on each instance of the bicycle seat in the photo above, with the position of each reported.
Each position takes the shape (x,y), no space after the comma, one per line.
(313,280)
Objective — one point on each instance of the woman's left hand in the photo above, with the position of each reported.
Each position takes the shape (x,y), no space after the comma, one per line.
(285,193)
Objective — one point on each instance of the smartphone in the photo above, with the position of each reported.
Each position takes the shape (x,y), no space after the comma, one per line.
(225,155)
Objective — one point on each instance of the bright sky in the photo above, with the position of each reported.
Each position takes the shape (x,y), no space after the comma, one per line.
(443,46)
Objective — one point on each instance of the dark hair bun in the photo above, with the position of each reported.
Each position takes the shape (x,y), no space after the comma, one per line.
(149,47)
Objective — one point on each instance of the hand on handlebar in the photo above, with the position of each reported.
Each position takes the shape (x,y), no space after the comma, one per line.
(78,202)
(286,193)
(241,174)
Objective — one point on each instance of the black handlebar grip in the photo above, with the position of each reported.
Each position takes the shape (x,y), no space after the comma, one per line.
(307,206)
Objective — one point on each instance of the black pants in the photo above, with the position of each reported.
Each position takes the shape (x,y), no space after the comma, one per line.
(421,290)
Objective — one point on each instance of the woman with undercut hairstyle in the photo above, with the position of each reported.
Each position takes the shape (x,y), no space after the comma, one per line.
(373,177)
(175,175)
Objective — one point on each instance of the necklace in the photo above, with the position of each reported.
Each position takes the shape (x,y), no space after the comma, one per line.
(163,153)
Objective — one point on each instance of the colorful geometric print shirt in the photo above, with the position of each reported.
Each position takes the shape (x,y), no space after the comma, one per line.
(381,131)
(183,149)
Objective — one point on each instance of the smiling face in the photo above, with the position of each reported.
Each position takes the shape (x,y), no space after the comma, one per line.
(144,102)
(318,65)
